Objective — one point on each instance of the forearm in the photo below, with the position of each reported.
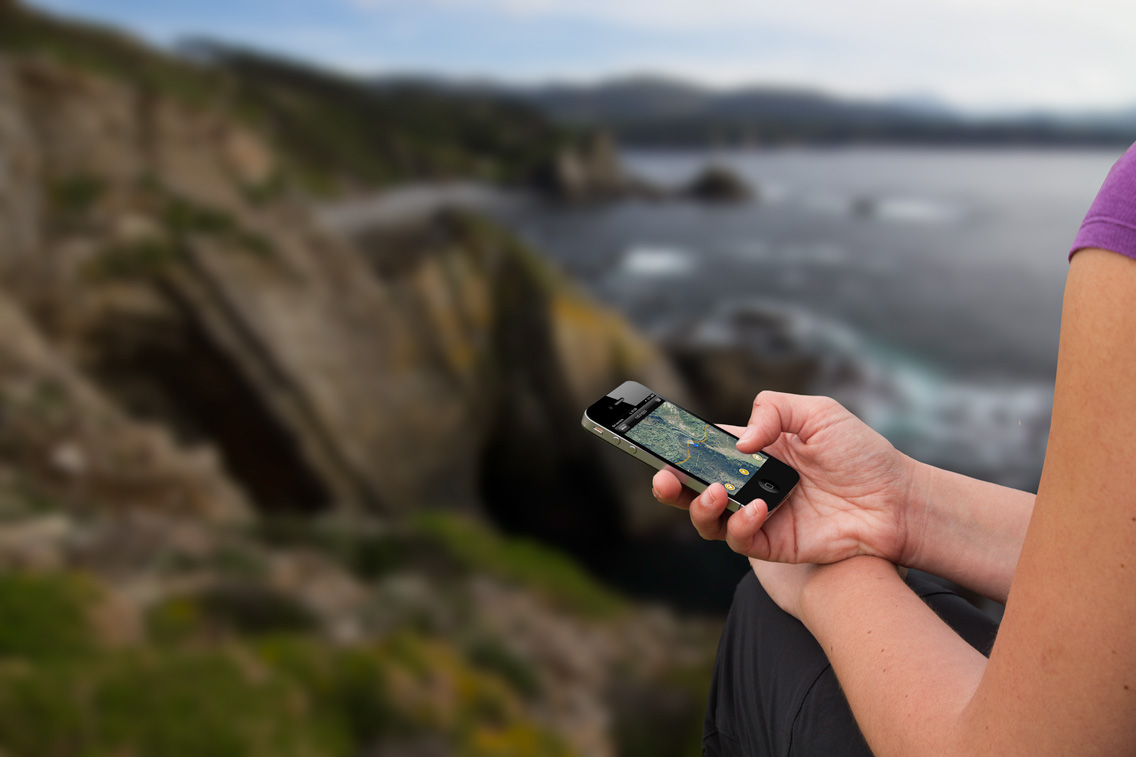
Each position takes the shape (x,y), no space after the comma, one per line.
(907,676)
(968,531)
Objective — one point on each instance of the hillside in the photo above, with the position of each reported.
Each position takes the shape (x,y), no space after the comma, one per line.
(663,112)
(250,468)
(334,132)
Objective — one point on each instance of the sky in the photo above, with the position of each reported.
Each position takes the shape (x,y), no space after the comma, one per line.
(986,56)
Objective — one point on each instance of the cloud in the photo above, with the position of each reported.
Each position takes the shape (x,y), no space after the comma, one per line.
(865,16)
(988,53)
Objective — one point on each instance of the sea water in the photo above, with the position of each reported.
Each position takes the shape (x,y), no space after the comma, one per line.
(938,273)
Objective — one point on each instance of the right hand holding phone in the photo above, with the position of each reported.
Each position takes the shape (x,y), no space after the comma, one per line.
(854,497)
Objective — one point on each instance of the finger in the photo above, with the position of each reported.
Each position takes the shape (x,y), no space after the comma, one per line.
(708,512)
(744,531)
(776,413)
(667,489)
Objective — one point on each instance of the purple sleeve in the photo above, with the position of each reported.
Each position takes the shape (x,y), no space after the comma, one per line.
(1110,223)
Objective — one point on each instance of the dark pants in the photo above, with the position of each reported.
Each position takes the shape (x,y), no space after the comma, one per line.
(774,692)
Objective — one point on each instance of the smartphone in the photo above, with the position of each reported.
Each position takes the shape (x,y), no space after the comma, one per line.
(667,437)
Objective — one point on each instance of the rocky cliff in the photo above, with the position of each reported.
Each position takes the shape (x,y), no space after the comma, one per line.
(230,419)
(443,367)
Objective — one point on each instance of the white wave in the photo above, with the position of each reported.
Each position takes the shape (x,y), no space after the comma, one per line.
(915,210)
(895,209)
(809,254)
(996,428)
(656,260)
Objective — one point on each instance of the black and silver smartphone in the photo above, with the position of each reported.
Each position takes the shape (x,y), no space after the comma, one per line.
(664,436)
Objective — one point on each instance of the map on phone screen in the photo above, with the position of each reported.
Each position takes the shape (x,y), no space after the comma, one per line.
(695,446)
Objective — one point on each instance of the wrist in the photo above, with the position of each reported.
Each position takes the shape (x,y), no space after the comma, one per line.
(915,509)
(829,584)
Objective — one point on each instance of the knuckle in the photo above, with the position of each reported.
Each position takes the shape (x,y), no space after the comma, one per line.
(830,405)
(763,397)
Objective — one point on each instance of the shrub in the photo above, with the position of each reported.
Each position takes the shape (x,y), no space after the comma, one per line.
(142,259)
(239,608)
(347,687)
(492,655)
(74,196)
(174,704)
(44,617)
(367,554)
(522,561)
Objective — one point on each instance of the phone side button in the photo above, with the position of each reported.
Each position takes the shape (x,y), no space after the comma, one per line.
(631,449)
(598,430)
(614,440)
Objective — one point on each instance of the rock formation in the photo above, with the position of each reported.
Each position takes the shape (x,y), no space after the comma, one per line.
(718,184)
(327,373)
(220,420)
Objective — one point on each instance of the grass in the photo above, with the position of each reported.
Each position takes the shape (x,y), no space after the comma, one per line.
(366,553)
(491,654)
(287,692)
(182,220)
(546,571)
(236,608)
(142,259)
(74,197)
(175,703)
(44,616)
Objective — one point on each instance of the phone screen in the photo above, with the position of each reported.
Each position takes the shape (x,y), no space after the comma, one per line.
(690,443)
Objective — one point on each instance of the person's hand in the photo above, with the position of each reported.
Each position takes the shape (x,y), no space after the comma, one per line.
(853,497)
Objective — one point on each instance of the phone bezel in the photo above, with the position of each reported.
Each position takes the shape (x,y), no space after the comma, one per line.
(774,470)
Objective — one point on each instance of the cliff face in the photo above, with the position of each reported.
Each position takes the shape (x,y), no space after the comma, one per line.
(189,361)
(151,248)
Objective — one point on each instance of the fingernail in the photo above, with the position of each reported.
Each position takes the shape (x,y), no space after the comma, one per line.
(748,436)
(654,492)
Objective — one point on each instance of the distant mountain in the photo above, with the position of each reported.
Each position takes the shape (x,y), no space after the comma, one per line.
(654,110)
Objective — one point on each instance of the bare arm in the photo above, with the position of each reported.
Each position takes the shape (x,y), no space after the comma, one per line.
(968,531)
(859,496)
(1062,675)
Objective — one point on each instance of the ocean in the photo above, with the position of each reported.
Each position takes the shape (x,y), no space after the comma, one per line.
(937,273)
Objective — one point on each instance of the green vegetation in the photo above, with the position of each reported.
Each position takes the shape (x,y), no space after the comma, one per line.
(451,544)
(44,616)
(73,197)
(490,654)
(244,693)
(333,126)
(245,609)
(349,687)
(182,220)
(332,130)
(663,718)
(173,702)
(107,52)
(484,236)
(546,571)
(142,259)
(368,554)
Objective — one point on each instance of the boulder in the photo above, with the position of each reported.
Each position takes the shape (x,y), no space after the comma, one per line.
(718,184)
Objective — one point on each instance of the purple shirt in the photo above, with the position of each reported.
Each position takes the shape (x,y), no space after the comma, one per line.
(1110,223)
